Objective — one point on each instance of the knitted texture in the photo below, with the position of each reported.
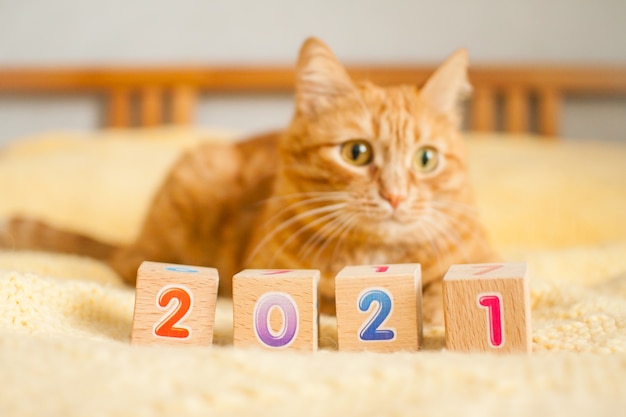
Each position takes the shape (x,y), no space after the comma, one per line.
(65,321)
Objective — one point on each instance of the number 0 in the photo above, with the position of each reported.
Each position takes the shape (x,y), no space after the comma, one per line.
(262,327)
(177,300)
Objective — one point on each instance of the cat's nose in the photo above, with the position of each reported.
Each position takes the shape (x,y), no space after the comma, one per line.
(394,199)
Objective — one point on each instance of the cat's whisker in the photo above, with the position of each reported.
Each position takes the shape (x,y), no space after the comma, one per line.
(371,208)
(456,222)
(445,203)
(302,229)
(444,246)
(341,238)
(448,228)
(338,235)
(461,208)
(325,232)
(290,221)
(442,235)
(440,230)
(320,239)
(319,235)
(299,204)
(306,194)
(426,228)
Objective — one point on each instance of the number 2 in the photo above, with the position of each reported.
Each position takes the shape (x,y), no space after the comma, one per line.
(492,302)
(370,330)
(177,301)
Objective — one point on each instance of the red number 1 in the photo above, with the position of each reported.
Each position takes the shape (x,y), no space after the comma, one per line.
(486,268)
(495,325)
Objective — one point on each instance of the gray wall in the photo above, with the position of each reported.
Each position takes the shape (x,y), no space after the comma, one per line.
(84,32)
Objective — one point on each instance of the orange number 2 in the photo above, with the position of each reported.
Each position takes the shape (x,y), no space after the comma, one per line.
(177,301)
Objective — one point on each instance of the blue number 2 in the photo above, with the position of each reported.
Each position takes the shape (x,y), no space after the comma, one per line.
(370,329)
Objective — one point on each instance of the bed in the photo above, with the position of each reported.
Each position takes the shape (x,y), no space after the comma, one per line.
(65,321)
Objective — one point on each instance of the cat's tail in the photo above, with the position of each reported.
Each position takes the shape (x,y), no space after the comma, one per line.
(29,234)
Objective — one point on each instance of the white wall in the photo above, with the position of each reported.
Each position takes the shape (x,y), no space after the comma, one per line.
(84,32)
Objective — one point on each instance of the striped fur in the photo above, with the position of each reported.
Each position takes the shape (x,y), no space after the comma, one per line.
(289,200)
(325,213)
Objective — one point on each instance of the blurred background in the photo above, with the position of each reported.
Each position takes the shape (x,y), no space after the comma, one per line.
(44,33)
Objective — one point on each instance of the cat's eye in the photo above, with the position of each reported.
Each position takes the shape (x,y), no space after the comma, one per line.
(357,152)
(426,159)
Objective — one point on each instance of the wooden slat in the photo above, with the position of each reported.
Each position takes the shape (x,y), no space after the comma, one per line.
(573,78)
(549,112)
(151,106)
(483,110)
(183,105)
(273,79)
(119,108)
(551,82)
(516,103)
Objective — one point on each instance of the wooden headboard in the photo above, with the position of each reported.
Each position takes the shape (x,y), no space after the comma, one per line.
(154,96)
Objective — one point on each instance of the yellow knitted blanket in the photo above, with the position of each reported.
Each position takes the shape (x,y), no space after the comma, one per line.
(65,321)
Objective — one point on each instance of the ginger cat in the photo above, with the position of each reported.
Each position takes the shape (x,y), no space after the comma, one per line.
(362,175)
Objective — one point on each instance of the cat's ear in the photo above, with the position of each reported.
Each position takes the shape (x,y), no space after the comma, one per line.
(320,78)
(445,89)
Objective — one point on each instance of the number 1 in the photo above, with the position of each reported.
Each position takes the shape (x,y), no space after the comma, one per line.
(484,269)
(492,302)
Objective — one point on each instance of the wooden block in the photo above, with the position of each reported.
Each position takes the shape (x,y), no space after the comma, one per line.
(379,307)
(276,309)
(174,304)
(487,308)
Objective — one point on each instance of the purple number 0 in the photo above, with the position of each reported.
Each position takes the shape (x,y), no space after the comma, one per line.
(262,327)
(370,330)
